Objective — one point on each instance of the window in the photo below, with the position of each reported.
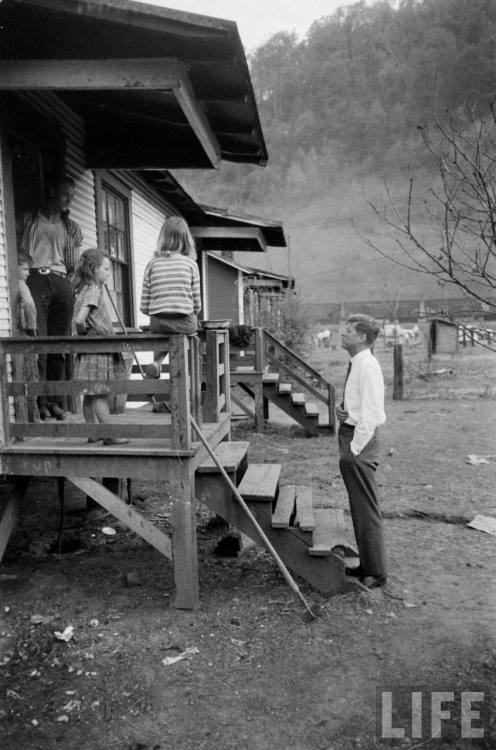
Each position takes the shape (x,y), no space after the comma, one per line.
(115,239)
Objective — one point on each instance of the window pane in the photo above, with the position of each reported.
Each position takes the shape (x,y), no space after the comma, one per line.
(112,243)
(111,209)
(121,246)
(119,214)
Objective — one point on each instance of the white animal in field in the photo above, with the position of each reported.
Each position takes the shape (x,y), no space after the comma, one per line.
(402,335)
(323,338)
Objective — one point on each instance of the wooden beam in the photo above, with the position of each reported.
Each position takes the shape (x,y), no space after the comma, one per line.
(126,514)
(196,117)
(253,233)
(126,74)
(10,515)
(162,74)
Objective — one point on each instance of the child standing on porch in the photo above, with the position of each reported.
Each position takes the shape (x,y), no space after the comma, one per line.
(91,317)
(171,286)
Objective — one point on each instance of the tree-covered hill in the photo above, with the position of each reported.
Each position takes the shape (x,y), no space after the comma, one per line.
(340,109)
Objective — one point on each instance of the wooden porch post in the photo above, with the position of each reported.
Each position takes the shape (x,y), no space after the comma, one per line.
(180,392)
(184,539)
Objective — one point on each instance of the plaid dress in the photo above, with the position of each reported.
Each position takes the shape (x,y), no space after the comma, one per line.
(97,366)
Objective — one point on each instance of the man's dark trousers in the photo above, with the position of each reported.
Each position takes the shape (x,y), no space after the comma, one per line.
(358,474)
(54,300)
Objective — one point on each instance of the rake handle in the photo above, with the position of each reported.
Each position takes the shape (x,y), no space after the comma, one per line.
(283,569)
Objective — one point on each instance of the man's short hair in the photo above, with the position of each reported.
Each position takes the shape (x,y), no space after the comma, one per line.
(365,324)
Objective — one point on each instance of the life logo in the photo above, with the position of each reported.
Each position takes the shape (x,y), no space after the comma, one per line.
(425,714)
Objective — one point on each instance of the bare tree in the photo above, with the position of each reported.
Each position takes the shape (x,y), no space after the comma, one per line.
(463,207)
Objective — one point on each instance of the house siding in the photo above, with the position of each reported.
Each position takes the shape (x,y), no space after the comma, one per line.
(148,213)
(83,209)
(222,291)
(5,318)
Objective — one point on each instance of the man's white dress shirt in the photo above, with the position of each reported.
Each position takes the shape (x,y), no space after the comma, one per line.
(364,398)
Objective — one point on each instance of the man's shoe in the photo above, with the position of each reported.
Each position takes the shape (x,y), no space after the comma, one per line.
(57,412)
(115,441)
(374,582)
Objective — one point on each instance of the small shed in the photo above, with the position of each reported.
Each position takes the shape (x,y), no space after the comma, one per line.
(443,336)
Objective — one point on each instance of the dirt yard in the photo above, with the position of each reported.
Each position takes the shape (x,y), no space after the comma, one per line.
(258,677)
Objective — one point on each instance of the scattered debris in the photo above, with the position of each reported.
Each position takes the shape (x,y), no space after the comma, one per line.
(62,718)
(39,619)
(65,635)
(108,531)
(484,523)
(408,604)
(93,623)
(475,460)
(187,654)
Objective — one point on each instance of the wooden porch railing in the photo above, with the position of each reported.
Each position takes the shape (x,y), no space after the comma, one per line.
(182,390)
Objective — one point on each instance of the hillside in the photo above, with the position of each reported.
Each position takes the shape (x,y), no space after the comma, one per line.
(351,103)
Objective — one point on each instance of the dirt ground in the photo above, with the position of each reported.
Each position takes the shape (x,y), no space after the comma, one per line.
(258,677)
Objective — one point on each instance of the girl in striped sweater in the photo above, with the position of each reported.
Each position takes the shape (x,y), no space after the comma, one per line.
(171,286)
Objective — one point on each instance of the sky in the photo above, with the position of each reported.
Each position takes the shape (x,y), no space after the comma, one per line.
(257,20)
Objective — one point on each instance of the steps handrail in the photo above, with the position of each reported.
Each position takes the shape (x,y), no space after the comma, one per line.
(315,374)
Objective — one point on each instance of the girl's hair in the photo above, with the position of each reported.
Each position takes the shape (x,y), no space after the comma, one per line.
(87,265)
(23,259)
(175,237)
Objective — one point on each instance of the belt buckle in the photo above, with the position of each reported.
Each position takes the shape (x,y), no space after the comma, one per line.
(44,271)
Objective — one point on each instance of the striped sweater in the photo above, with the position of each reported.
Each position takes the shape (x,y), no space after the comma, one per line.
(171,284)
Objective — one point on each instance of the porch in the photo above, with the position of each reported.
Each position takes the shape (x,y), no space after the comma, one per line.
(162,445)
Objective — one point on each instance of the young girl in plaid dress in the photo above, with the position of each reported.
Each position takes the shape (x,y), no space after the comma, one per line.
(91,317)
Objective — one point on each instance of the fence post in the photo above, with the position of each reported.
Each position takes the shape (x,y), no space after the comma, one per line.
(398,372)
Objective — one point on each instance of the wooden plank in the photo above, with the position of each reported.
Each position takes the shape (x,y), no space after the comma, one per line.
(229,454)
(162,73)
(254,233)
(196,117)
(284,389)
(125,514)
(184,541)
(80,344)
(311,409)
(85,430)
(321,538)
(260,482)
(74,387)
(236,400)
(10,514)
(180,408)
(331,531)
(304,509)
(271,377)
(285,507)
(298,399)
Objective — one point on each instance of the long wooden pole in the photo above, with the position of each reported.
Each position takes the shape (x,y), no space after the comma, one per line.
(285,572)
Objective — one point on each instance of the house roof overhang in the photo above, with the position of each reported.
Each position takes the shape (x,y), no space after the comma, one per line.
(156,88)
(216,228)
(255,277)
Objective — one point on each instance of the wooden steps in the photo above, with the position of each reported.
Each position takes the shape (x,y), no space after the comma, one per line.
(260,482)
(282,513)
(330,532)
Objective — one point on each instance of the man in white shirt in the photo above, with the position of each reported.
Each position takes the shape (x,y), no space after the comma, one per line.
(360,414)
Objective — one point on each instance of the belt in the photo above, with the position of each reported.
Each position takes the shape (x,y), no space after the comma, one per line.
(349,426)
(44,270)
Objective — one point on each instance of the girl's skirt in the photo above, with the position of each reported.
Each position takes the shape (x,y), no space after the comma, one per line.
(99,367)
